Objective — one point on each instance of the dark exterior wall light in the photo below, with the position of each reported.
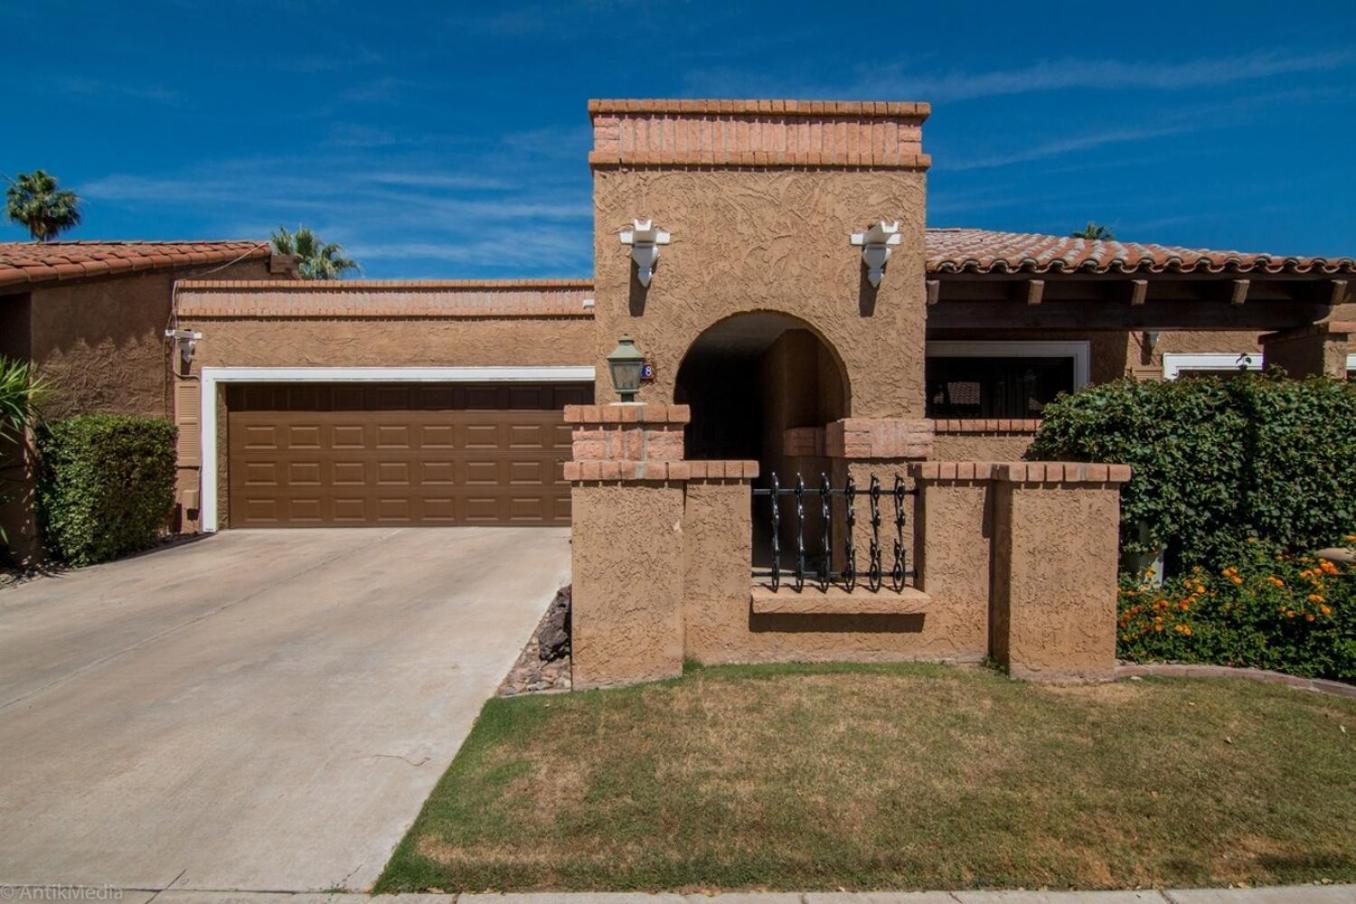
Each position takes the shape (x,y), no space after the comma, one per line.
(625,365)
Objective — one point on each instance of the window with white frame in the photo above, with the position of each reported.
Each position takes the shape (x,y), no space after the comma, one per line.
(1002,379)
(1219,364)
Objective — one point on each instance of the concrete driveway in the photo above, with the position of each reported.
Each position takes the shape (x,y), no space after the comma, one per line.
(258,710)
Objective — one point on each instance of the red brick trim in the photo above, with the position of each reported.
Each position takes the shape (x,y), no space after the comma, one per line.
(879,438)
(460,299)
(1061,472)
(735,107)
(953,470)
(988,425)
(758,160)
(1021,472)
(628,470)
(305,286)
(757,134)
(642,413)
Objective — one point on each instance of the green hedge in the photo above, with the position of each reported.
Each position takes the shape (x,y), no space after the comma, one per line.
(106,484)
(1263,608)
(1217,461)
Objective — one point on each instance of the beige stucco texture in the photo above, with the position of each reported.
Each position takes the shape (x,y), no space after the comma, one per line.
(767,240)
(101,344)
(627,560)
(1054,601)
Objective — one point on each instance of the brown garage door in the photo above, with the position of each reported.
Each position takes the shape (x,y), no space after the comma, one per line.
(306,455)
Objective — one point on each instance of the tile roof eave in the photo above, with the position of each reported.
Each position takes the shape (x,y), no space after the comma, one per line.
(68,262)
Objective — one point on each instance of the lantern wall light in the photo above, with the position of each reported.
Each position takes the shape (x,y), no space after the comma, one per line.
(644,240)
(875,243)
(625,364)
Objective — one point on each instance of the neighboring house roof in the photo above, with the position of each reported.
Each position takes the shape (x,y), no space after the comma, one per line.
(30,263)
(984,251)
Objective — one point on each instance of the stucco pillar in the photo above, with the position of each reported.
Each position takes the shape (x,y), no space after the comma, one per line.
(1055,547)
(1319,349)
(717,557)
(627,539)
(953,545)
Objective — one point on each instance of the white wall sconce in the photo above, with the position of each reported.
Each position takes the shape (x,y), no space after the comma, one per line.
(186,341)
(876,243)
(644,240)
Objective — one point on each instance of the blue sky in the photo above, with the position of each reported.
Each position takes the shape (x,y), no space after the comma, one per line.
(423,135)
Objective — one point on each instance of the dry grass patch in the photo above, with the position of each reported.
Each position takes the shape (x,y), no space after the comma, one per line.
(884,776)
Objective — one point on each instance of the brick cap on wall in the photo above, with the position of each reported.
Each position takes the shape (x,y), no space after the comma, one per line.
(880,438)
(1062,472)
(627,470)
(624,413)
(988,425)
(753,107)
(757,134)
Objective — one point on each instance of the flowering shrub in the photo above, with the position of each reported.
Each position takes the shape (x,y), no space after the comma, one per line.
(1266,609)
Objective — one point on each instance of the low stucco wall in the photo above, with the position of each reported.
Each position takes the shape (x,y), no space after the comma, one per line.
(720,626)
(1015,561)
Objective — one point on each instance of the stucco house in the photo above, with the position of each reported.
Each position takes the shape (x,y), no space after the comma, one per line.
(91,316)
(770,261)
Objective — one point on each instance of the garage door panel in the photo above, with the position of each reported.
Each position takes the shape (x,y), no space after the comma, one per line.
(304,474)
(422,453)
(348,436)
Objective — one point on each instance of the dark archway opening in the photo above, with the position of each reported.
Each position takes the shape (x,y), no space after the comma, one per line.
(755,382)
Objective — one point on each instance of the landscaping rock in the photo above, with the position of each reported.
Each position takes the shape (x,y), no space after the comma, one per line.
(540,670)
(553,637)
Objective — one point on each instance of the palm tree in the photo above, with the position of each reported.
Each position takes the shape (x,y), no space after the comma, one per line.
(35,201)
(1094,231)
(315,259)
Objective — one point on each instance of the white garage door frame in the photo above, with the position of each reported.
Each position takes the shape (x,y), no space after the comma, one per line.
(212,377)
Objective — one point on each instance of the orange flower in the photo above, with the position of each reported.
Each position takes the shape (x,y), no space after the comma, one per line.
(1326,610)
(1308,616)
(1236,579)
(1290,613)
(1315,597)
(1276,581)
(1328,567)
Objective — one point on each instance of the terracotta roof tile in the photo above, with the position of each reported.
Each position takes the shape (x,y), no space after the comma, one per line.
(31,263)
(983,251)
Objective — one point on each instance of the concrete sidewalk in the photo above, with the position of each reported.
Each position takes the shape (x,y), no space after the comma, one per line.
(1291,894)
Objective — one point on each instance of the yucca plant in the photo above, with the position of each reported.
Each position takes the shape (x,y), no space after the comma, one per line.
(21,395)
(315,259)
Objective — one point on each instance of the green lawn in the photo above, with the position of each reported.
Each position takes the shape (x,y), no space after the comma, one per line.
(909,776)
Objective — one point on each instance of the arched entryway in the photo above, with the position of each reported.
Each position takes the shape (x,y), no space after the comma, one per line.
(753,377)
